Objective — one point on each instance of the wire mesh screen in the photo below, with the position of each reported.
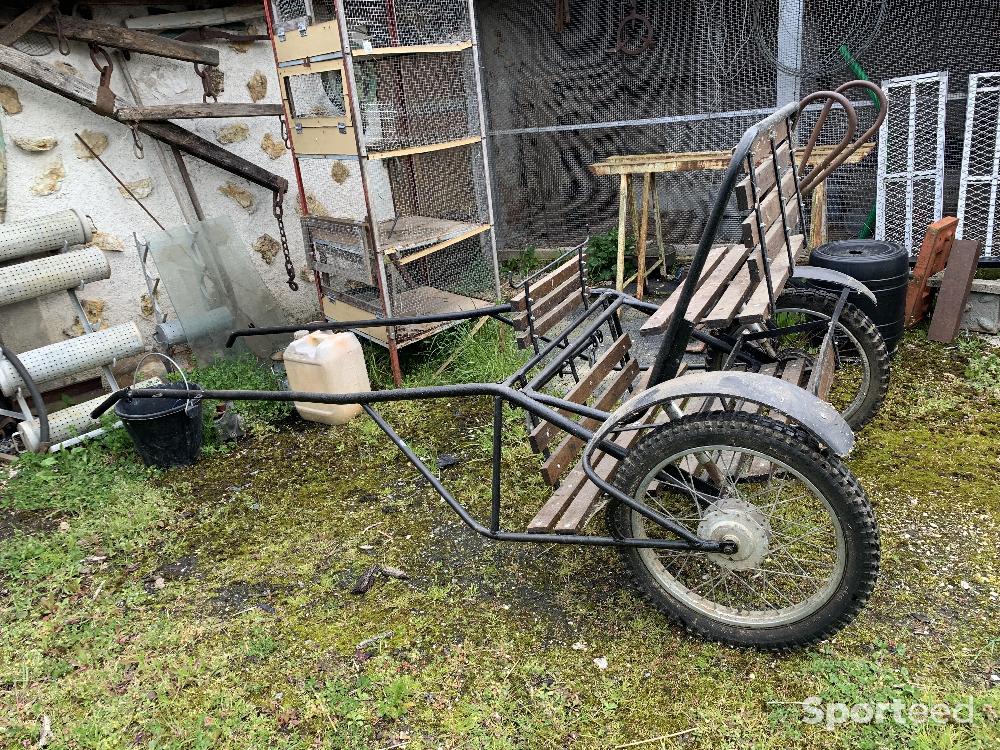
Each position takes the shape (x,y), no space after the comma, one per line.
(458,277)
(980,175)
(287,12)
(338,247)
(416,100)
(316,94)
(911,159)
(402,23)
(693,76)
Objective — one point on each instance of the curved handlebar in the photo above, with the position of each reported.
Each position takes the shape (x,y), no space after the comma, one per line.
(848,144)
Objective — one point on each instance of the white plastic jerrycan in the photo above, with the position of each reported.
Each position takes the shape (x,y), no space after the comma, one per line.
(327,363)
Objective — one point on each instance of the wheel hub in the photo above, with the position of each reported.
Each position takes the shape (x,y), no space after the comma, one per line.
(740,522)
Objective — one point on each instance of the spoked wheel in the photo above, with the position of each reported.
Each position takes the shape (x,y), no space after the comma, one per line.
(861,376)
(808,548)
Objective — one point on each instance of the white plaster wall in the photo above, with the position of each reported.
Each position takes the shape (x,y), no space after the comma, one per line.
(88,188)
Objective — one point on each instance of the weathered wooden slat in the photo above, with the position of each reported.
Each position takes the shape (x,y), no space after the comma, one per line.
(548,321)
(542,435)
(547,283)
(84,93)
(119,37)
(775,231)
(732,300)
(577,479)
(195,19)
(956,285)
(761,148)
(827,370)
(569,288)
(764,173)
(769,210)
(657,322)
(25,22)
(559,461)
(710,290)
(199,111)
(756,309)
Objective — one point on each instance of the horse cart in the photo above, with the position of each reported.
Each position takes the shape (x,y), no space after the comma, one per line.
(720,474)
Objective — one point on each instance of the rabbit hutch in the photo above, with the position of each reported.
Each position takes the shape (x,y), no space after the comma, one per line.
(385,114)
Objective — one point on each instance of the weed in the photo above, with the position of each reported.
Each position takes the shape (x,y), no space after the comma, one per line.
(524,262)
(602,256)
(982,368)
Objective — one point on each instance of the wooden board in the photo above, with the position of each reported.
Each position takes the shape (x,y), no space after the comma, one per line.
(757,308)
(197,111)
(546,284)
(118,37)
(657,322)
(559,461)
(545,431)
(693,161)
(959,274)
(770,211)
(764,174)
(933,257)
(732,301)
(710,289)
(547,322)
(424,149)
(549,302)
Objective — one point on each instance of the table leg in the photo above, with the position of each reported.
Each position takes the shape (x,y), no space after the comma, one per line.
(622,230)
(640,250)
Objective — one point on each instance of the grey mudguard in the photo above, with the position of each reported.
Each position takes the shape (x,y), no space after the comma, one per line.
(809,411)
(828,275)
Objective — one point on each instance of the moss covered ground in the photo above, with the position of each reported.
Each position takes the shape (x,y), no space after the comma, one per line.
(212,607)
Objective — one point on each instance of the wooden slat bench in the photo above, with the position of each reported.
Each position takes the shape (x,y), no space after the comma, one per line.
(732,286)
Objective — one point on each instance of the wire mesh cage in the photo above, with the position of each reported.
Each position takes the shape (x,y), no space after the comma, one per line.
(911,158)
(316,94)
(561,96)
(458,277)
(417,100)
(980,173)
(290,13)
(338,246)
(404,23)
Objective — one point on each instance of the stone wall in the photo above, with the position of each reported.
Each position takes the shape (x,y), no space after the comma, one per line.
(48,171)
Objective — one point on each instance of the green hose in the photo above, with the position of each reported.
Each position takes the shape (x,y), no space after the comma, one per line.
(868,227)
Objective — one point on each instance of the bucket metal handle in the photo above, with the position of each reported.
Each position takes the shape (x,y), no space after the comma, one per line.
(189,407)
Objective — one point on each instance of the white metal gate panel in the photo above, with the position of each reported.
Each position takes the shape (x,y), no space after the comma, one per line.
(911,158)
(977,196)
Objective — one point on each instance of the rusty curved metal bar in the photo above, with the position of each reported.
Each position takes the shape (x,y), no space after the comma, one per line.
(829,98)
(842,152)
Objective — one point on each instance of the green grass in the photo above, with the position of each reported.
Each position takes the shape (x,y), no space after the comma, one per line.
(254,643)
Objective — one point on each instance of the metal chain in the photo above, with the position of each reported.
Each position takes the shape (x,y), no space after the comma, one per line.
(137,149)
(285,135)
(63,42)
(208,91)
(278,206)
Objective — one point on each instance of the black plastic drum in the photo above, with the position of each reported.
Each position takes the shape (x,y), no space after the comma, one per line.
(884,267)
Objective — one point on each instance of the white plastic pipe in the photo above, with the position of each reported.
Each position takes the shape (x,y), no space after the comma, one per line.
(75,355)
(19,239)
(54,273)
(67,423)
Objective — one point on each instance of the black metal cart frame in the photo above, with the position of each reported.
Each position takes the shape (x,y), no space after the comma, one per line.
(577,341)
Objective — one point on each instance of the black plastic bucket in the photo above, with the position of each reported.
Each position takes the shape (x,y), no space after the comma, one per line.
(166,432)
(884,267)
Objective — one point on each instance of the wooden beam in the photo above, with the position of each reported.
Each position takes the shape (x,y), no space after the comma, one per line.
(194,19)
(84,93)
(118,37)
(198,111)
(25,22)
